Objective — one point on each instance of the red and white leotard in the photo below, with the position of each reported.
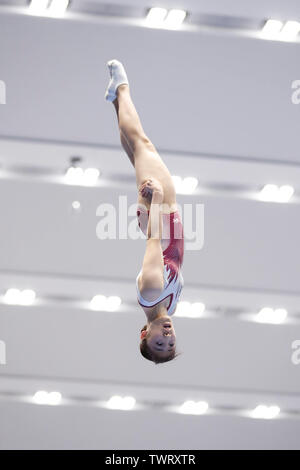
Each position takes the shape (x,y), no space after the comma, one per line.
(173,248)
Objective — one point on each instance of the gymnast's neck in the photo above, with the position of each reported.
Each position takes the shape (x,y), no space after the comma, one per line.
(156,312)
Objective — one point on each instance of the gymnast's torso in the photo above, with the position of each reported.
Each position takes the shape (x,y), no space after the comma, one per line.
(173,249)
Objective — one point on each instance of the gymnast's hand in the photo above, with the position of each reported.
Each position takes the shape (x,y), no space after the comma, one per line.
(151,189)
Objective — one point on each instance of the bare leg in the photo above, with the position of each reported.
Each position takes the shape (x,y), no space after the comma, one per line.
(129,121)
(140,149)
(124,142)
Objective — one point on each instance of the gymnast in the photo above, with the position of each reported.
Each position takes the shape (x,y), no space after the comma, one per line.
(160,281)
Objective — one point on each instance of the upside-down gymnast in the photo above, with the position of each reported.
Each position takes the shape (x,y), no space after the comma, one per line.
(160,281)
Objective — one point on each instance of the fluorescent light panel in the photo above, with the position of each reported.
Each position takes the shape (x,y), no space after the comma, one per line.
(47,398)
(265,412)
(156,16)
(290,30)
(175,18)
(77,176)
(274,193)
(48,7)
(185,185)
(272,28)
(108,304)
(38,7)
(117,402)
(58,7)
(189,309)
(193,407)
(161,18)
(276,29)
(18,297)
(270,315)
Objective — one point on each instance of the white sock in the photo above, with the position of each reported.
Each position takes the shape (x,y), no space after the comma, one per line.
(118,77)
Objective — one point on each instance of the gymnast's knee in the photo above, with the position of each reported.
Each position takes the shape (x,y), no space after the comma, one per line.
(142,143)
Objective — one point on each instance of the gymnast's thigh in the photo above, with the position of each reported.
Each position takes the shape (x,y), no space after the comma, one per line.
(149,164)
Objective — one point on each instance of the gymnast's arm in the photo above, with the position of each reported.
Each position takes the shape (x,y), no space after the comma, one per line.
(151,280)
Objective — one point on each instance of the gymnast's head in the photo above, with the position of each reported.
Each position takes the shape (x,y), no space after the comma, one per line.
(158,340)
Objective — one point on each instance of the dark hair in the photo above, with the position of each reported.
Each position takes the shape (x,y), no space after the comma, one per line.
(150,355)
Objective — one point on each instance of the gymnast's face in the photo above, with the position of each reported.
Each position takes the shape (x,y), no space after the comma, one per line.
(161,336)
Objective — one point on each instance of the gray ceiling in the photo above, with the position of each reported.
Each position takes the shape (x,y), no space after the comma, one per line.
(217,105)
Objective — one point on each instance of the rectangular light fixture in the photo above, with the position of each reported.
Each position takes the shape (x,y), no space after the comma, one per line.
(55,8)
(77,176)
(47,398)
(290,30)
(58,7)
(162,18)
(189,309)
(175,18)
(193,408)
(121,403)
(156,16)
(270,315)
(2,92)
(17,297)
(265,412)
(272,28)
(274,193)
(38,7)
(185,185)
(106,304)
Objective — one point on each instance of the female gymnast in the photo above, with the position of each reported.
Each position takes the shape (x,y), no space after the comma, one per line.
(160,281)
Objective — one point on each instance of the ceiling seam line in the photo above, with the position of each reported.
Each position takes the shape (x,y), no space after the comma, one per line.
(193,154)
(151,385)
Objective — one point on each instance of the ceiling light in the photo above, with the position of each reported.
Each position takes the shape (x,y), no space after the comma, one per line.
(17,297)
(183,309)
(290,30)
(113,303)
(58,7)
(47,398)
(197,309)
(156,16)
(189,185)
(272,28)
(2,92)
(273,193)
(38,7)
(177,180)
(98,302)
(269,192)
(285,193)
(27,297)
(194,408)
(76,205)
(109,304)
(75,175)
(269,315)
(90,176)
(265,412)
(121,403)
(185,185)
(175,18)
(12,296)
(189,310)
